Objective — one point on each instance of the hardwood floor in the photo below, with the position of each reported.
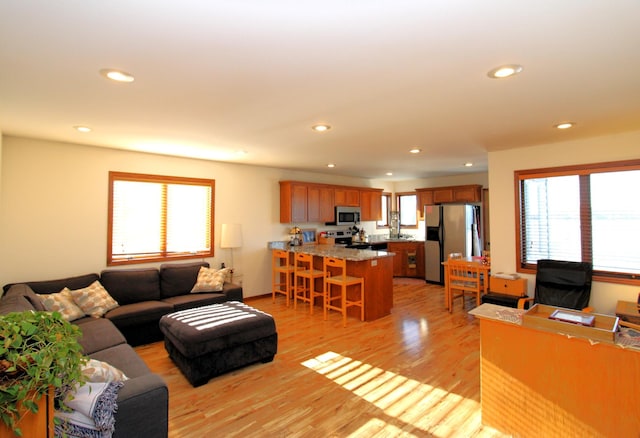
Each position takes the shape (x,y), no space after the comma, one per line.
(414,373)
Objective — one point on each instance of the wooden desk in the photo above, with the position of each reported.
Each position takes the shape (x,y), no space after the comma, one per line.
(485,272)
(537,383)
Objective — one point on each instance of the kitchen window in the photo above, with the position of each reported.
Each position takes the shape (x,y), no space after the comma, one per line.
(407,210)
(385,207)
(581,213)
(159,218)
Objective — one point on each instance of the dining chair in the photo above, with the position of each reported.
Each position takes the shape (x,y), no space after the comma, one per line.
(335,274)
(466,277)
(281,274)
(305,280)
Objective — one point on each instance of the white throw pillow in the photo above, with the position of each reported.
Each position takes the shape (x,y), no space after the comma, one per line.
(210,280)
(94,300)
(62,302)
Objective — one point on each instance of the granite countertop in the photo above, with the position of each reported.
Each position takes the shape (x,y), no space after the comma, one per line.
(354,255)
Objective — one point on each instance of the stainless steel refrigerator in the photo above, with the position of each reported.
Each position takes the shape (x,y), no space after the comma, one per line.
(449,229)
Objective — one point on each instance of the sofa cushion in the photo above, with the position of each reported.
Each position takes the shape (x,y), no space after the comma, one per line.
(62,302)
(138,313)
(124,358)
(129,286)
(54,286)
(210,280)
(179,278)
(98,334)
(182,302)
(15,303)
(94,300)
(23,290)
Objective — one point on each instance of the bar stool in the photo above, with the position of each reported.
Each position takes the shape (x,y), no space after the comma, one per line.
(305,290)
(280,267)
(335,274)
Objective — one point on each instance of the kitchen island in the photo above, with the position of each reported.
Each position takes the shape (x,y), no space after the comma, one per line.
(376,267)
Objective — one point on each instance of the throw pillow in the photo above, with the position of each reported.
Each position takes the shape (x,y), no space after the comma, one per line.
(101,372)
(94,300)
(62,302)
(210,280)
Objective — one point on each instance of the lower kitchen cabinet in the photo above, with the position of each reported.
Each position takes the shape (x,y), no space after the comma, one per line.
(409,259)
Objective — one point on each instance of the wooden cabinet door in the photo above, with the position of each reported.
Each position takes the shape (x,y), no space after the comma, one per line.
(320,204)
(347,197)
(442,195)
(471,193)
(370,205)
(425,197)
(293,202)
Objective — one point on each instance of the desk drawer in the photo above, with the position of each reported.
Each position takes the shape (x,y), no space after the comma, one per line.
(517,287)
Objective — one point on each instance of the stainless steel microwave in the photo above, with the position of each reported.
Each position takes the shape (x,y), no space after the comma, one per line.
(347,215)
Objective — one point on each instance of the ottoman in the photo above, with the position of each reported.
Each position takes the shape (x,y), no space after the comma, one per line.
(210,340)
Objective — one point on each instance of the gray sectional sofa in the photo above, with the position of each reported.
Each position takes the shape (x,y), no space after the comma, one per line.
(144,296)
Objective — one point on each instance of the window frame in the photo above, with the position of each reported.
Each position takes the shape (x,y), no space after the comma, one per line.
(399,209)
(583,172)
(385,225)
(163,255)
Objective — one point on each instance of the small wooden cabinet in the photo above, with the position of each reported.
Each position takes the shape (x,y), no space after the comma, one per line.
(409,259)
(515,287)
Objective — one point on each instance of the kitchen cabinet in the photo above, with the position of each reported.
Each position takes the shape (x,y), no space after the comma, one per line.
(293,202)
(409,259)
(445,195)
(347,196)
(371,205)
(320,204)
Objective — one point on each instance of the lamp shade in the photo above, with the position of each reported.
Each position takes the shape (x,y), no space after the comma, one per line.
(231,236)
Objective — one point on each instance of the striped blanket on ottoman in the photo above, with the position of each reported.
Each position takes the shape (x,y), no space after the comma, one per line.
(208,341)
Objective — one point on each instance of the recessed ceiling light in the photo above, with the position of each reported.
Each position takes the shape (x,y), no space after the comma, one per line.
(389,173)
(468,164)
(415,150)
(116,75)
(80,128)
(331,165)
(565,125)
(504,71)
(321,127)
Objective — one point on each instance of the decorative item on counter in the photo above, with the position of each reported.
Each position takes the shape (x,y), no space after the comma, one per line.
(295,238)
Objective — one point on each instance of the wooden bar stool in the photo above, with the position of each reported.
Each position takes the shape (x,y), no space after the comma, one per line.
(304,280)
(281,274)
(335,274)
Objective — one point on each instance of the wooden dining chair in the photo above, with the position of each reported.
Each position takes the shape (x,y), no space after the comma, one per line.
(281,274)
(304,283)
(335,274)
(466,277)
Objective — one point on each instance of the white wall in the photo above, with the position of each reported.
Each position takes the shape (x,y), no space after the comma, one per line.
(53,208)
(502,165)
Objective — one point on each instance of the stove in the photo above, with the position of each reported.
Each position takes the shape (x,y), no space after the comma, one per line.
(341,237)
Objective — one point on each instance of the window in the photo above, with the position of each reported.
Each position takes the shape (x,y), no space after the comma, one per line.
(157,218)
(407,209)
(385,207)
(581,213)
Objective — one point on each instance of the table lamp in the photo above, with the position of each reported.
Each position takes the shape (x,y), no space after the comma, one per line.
(231,237)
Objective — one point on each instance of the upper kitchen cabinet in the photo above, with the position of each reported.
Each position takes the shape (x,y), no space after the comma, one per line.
(293,202)
(371,205)
(320,205)
(347,196)
(454,194)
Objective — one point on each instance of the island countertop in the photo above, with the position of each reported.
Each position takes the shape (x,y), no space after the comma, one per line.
(350,254)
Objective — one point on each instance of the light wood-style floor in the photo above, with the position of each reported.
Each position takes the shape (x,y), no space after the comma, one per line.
(414,373)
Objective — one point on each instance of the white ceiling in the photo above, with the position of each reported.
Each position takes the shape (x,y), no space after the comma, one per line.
(217,77)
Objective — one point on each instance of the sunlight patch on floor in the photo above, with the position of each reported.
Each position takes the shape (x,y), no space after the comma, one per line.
(419,404)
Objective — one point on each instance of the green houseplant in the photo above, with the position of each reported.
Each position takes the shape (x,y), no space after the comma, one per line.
(38,351)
